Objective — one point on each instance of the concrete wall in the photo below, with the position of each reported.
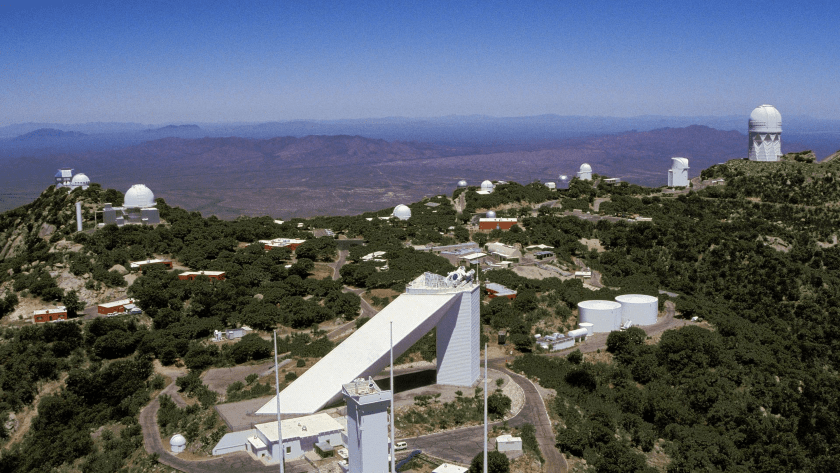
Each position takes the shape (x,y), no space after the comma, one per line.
(458,341)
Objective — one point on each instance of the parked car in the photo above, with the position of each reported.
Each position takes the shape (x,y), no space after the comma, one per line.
(400,446)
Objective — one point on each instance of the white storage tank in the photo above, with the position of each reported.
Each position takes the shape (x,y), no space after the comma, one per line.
(639,309)
(588,328)
(605,316)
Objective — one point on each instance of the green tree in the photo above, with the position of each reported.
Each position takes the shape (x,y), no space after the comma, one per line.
(72,303)
(497,462)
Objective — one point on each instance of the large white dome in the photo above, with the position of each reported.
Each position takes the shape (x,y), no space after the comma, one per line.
(80,180)
(139,196)
(402,212)
(487,186)
(177,440)
(462,183)
(585,168)
(766,119)
(679,163)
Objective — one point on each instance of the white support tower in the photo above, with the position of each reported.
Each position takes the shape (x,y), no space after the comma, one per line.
(678,174)
(765,134)
(367,426)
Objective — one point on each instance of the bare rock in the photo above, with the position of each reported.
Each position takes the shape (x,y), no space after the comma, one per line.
(119,268)
(46,230)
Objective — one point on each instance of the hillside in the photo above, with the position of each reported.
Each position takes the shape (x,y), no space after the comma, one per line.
(751,386)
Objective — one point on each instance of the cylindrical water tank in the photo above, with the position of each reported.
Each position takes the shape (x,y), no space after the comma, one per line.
(577,333)
(587,326)
(605,316)
(638,308)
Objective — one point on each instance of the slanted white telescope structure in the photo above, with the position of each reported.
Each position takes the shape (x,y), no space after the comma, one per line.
(450,303)
(765,134)
(640,309)
(678,174)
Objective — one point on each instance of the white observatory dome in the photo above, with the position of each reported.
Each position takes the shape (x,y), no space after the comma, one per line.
(491,214)
(402,212)
(585,168)
(766,119)
(679,163)
(487,186)
(177,443)
(585,173)
(462,183)
(80,180)
(139,196)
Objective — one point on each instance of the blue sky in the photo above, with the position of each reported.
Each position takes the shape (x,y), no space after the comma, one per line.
(185,61)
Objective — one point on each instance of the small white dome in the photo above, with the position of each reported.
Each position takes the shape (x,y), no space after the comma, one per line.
(679,164)
(491,214)
(177,440)
(462,183)
(80,180)
(402,212)
(563,178)
(766,119)
(487,186)
(585,168)
(139,196)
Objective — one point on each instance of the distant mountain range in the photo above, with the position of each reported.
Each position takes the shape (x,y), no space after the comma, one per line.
(343,174)
(48,134)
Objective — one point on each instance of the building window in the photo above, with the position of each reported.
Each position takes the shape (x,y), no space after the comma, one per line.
(288,450)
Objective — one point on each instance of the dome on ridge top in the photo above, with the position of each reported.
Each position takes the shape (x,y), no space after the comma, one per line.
(139,196)
(402,212)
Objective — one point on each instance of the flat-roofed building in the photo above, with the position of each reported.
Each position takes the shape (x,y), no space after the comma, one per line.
(494,223)
(141,264)
(495,290)
(290,243)
(299,436)
(191,275)
(113,307)
(504,251)
(49,315)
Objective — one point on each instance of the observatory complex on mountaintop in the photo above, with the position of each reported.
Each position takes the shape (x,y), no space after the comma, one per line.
(65,178)
(765,134)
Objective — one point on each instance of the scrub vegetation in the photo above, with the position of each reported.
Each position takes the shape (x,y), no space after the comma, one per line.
(756,257)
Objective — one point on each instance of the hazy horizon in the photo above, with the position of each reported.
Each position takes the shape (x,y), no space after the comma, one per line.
(193,62)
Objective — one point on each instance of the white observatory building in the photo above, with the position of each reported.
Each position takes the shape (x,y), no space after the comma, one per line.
(138,208)
(486,188)
(585,172)
(401,212)
(678,174)
(65,178)
(765,134)
(462,183)
(563,181)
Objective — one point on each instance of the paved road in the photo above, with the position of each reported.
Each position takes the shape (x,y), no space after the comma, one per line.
(238,462)
(461,445)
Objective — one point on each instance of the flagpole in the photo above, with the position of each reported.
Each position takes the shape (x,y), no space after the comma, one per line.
(277,388)
(485,408)
(393,412)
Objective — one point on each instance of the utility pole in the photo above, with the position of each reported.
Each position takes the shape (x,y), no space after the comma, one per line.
(277,389)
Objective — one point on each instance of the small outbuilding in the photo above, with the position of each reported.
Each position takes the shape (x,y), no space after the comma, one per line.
(508,443)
